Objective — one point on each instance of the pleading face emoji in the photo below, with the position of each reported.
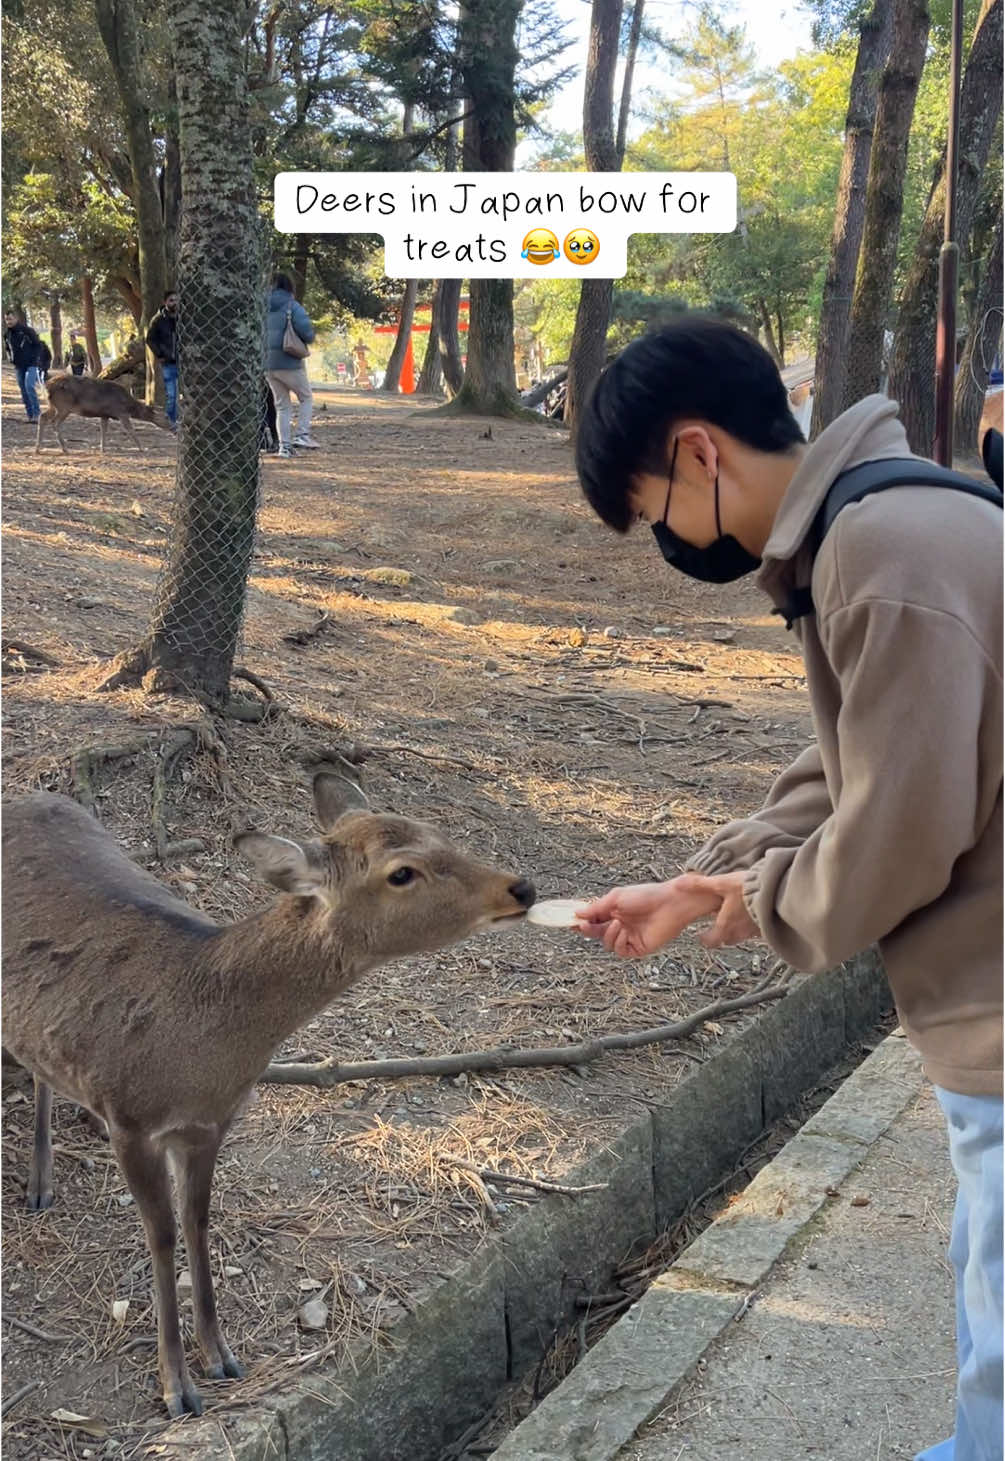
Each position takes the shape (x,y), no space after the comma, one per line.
(540,246)
(581,246)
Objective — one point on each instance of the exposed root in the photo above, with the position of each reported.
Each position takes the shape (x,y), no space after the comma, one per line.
(240,673)
(304,636)
(28,651)
(86,761)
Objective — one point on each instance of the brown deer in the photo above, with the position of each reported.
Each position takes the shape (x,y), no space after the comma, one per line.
(80,395)
(159,1021)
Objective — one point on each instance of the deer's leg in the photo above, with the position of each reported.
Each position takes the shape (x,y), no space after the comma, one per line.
(145,1169)
(194,1164)
(104,433)
(127,427)
(57,421)
(43,417)
(39,1195)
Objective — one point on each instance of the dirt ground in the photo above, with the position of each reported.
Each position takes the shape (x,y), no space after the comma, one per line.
(552,694)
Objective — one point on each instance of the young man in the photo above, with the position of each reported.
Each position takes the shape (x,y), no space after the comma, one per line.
(889,828)
(24,348)
(162,339)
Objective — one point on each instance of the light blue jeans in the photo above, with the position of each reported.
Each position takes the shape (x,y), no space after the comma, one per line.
(170,392)
(975,1250)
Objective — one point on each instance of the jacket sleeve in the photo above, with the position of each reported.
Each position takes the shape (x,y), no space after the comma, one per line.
(919,745)
(796,805)
(302,323)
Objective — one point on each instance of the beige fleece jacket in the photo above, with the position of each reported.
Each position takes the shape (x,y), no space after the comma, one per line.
(889,829)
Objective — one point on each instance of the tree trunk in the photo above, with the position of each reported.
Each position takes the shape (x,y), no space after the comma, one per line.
(431,374)
(171,191)
(876,30)
(593,313)
(90,325)
(624,111)
(488,58)
(770,343)
(884,200)
(200,600)
(56,330)
(982,341)
(120,32)
(406,317)
(912,360)
(450,343)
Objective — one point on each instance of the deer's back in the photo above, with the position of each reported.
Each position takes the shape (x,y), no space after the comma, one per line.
(96,953)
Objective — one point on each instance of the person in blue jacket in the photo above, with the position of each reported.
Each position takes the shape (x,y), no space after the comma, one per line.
(287,374)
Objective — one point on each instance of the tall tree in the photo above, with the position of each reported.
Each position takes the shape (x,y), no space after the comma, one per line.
(593,316)
(912,361)
(410,295)
(200,603)
(875,31)
(119,25)
(488,60)
(885,198)
(983,337)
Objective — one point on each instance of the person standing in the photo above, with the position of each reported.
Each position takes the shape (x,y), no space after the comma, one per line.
(76,357)
(162,339)
(286,373)
(24,349)
(888,828)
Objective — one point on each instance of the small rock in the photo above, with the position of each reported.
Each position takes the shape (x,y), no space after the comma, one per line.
(662,630)
(124,1199)
(860,1201)
(612,632)
(136,509)
(315,1171)
(723,636)
(502,565)
(417,1101)
(490,666)
(355,1284)
(458,615)
(88,603)
(231,1272)
(184,1279)
(307,1285)
(313,1314)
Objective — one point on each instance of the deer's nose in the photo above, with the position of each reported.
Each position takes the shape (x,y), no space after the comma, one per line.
(524,892)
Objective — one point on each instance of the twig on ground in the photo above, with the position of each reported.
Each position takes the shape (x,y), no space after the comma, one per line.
(328,1073)
(35,1332)
(303,636)
(488,1175)
(18,646)
(12,1400)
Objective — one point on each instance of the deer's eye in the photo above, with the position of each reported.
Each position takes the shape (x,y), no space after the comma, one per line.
(401,876)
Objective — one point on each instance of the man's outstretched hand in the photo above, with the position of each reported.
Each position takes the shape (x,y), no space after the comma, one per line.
(641,919)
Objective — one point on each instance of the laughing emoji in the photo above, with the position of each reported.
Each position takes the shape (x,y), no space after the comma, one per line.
(581,246)
(540,246)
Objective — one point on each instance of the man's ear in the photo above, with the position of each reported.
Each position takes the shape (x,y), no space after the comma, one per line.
(285,863)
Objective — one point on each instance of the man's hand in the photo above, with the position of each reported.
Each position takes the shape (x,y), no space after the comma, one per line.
(638,920)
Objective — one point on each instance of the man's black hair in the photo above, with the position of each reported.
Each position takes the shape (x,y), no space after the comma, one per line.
(696,368)
(283,281)
(167,295)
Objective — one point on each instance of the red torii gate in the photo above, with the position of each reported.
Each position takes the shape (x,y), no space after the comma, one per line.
(407,383)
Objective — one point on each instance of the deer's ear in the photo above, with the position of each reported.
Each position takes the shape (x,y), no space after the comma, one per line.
(284,863)
(335,794)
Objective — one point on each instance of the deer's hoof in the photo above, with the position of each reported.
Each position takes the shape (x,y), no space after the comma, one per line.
(38,1199)
(228,1368)
(186,1401)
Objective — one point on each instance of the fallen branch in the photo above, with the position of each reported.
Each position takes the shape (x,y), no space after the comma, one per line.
(12,1400)
(537,1183)
(327,1072)
(303,636)
(34,1330)
(18,646)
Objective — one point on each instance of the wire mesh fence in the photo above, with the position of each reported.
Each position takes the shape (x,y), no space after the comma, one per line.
(200,595)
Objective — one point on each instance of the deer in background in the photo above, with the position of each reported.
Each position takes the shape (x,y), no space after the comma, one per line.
(79,395)
(159,1020)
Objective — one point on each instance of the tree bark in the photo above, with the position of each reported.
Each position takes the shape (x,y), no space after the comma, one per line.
(200,601)
(450,341)
(631,53)
(488,58)
(912,360)
(885,199)
(171,191)
(90,325)
(593,313)
(120,31)
(770,343)
(982,340)
(56,330)
(875,33)
(406,317)
(431,374)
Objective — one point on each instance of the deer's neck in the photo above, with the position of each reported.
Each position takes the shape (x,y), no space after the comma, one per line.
(276,970)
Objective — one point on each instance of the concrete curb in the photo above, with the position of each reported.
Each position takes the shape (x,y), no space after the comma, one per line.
(631,1373)
(490,1321)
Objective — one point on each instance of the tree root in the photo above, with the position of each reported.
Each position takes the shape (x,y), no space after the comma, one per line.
(28,651)
(327,1073)
(86,761)
(304,636)
(240,673)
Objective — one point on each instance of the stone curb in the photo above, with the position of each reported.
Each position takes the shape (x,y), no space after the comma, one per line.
(490,1321)
(632,1372)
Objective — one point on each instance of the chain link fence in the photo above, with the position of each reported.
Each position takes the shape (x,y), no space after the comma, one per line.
(200,594)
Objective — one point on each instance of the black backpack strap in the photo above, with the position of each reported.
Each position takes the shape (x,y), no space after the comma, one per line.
(861,481)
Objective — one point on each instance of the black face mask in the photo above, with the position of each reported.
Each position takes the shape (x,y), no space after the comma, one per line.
(724,560)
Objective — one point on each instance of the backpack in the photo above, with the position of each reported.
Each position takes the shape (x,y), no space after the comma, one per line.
(863,481)
(44,358)
(77,353)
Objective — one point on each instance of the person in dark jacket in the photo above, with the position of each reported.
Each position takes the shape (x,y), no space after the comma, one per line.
(286,373)
(76,357)
(162,340)
(24,349)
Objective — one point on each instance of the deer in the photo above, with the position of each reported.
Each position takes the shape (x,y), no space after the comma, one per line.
(158,1020)
(81,395)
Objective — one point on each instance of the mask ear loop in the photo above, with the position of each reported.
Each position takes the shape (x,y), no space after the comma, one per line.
(673,463)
